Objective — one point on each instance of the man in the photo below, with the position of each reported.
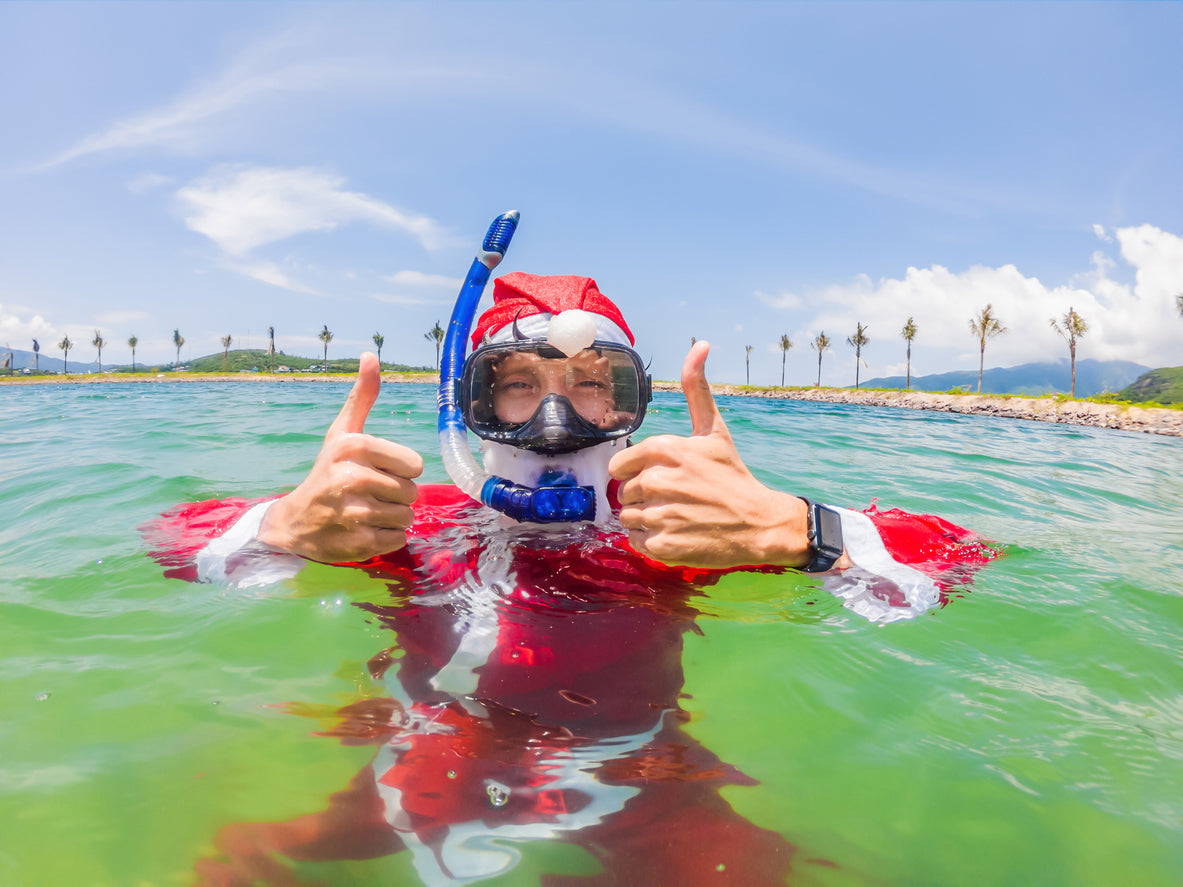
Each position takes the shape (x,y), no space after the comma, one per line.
(683,501)
(535,692)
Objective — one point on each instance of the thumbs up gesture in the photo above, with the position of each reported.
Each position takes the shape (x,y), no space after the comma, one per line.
(355,503)
(691,501)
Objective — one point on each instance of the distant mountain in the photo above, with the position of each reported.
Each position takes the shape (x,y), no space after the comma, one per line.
(237,361)
(22,359)
(1163,385)
(1054,377)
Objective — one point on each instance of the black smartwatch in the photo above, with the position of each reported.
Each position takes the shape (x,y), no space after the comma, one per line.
(825,536)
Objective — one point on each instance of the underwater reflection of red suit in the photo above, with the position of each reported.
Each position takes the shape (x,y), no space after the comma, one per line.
(534,697)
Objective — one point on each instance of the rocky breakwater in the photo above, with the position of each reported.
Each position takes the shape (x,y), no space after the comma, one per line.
(1037,409)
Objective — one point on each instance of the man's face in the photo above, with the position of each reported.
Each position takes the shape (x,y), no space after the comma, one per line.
(521,380)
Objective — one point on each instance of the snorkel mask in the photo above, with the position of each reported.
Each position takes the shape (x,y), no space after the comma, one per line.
(552,377)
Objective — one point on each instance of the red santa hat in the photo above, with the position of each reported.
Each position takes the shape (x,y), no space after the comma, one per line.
(533,299)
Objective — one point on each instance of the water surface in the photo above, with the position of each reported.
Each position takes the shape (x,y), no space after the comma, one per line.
(1031,731)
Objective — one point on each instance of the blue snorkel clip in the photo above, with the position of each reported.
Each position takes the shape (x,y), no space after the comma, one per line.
(557,498)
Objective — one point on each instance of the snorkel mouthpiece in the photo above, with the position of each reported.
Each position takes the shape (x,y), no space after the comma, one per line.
(556,499)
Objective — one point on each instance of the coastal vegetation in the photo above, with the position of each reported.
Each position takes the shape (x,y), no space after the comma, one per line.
(1071,327)
(785,344)
(325,336)
(909,333)
(1161,387)
(985,327)
(436,334)
(858,341)
(821,345)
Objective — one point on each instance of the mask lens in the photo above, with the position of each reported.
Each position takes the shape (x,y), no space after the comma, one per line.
(505,387)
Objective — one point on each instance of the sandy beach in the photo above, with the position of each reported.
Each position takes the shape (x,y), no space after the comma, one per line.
(1038,409)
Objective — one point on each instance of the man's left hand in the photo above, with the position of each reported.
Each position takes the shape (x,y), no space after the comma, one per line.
(691,501)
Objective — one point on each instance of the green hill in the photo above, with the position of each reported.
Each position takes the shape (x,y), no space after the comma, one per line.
(1164,385)
(257,361)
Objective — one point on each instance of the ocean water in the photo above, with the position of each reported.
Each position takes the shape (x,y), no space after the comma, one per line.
(1028,732)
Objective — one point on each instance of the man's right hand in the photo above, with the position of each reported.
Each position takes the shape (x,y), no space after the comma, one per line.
(355,503)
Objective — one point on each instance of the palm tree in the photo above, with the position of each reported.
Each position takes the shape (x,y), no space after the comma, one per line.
(436,333)
(857,341)
(1072,327)
(985,326)
(379,340)
(178,340)
(226,340)
(98,341)
(36,355)
(821,345)
(325,336)
(909,333)
(748,361)
(271,346)
(785,344)
(133,342)
(65,344)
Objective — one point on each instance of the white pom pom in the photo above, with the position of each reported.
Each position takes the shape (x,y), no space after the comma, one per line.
(571,331)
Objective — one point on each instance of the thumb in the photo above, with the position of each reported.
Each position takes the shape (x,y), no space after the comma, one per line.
(352,418)
(704,414)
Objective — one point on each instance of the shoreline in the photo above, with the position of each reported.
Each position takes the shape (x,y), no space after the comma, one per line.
(1148,420)
(1120,417)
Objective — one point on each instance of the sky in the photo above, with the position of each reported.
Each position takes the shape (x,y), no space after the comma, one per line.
(735,172)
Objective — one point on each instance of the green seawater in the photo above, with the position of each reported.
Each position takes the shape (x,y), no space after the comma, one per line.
(1029,732)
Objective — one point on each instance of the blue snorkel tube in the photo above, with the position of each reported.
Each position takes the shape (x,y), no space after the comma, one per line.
(544,504)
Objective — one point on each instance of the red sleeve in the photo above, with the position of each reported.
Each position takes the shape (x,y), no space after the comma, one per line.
(174,538)
(929,543)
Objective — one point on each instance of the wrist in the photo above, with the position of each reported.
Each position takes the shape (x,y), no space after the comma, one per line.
(787,539)
(271,531)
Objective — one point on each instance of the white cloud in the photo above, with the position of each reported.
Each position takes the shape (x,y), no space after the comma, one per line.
(784,300)
(19,332)
(186,120)
(241,208)
(118,318)
(1102,234)
(148,181)
(418,278)
(400,299)
(1137,323)
(270,273)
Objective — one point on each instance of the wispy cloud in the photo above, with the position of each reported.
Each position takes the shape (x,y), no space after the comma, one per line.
(418,278)
(401,299)
(244,207)
(263,70)
(270,273)
(783,301)
(119,318)
(148,181)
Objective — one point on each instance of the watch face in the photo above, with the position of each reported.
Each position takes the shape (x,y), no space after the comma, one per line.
(829,528)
